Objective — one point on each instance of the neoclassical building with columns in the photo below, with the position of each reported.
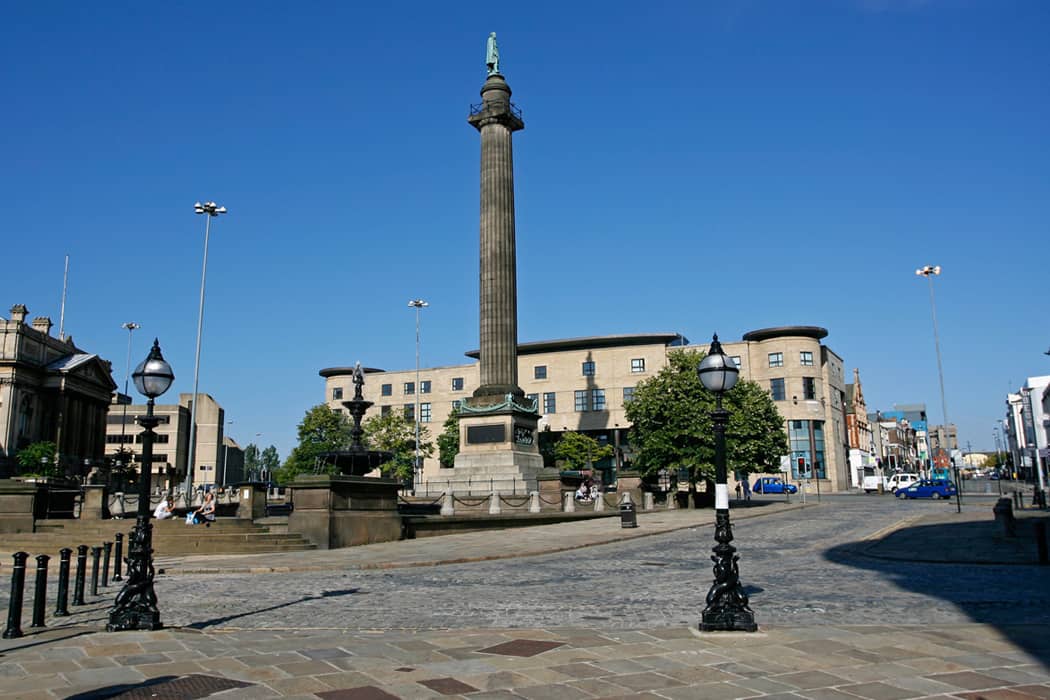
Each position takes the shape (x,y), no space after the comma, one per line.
(583,384)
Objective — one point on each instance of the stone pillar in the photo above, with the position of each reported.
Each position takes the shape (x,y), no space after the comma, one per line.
(447,506)
(534,502)
(630,483)
(251,500)
(494,507)
(647,500)
(17,501)
(496,120)
(96,502)
(599,503)
(570,502)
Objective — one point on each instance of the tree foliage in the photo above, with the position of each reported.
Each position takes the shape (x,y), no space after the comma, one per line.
(39,458)
(579,451)
(251,459)
(448,440)
(393,433)
(269,460)
(671,423)
(321,430)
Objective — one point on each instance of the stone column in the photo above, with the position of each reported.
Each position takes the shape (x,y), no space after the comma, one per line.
(496,120)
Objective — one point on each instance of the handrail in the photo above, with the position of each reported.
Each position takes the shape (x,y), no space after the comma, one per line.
(495,104)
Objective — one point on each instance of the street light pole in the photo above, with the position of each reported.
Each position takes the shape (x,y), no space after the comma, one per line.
(225,455)
(929,272)
(130,327)
(135,607)
(727,603)
(211,210)
(418,305)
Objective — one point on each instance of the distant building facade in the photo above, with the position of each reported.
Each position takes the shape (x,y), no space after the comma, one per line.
(1027,427)
(50,390)
(172,439)
(859,431)
(584,384)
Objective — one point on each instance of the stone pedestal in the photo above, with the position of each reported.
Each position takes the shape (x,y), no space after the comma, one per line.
(17,500)
(497,451)
(251,500)
(629,482)
(343,511)
(96,503)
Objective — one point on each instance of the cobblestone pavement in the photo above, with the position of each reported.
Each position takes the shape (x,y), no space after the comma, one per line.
(836,623)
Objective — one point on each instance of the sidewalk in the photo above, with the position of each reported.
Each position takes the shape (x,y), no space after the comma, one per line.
(820,662)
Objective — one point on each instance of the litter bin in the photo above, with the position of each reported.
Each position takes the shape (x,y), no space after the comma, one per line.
(628,516)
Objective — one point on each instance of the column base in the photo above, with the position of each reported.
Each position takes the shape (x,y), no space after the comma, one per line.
(728,621)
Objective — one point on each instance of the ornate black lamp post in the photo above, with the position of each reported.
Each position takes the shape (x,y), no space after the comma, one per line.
(136,605)
(727,604)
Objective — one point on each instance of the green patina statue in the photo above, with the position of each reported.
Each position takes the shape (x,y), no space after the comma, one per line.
(492,54)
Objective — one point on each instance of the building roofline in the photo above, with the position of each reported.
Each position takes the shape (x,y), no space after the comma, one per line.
(592,342)
(815,332)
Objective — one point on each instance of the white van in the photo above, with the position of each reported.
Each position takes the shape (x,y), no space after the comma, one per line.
(900,481)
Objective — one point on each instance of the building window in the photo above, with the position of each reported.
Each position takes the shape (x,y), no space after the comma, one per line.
(638,364)
(597,399)
(424,386)
(807,444)
(337,393)
(457,383)
(410,411)
(410,387)
(539,372)
(549,403)
(736,360)
(588,369)
(384,410)
(809,388)
(387,390)
(456,404)
(776,389)
(534,398)
(424,412)
(581,399)
(805,358)
(628,395)
(776,359)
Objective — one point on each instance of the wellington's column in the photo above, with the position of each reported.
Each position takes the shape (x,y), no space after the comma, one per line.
(497,423)
(497,119)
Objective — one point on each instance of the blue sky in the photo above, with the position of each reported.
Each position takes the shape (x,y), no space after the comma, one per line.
(686,167)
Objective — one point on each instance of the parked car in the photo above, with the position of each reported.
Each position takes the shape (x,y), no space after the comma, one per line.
(772,484)
(900,481)
(928,488)
(889,483)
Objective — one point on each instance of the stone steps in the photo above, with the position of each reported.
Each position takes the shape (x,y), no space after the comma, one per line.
(170,538)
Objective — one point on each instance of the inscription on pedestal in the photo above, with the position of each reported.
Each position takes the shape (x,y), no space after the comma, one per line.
(480,434)
(522,435)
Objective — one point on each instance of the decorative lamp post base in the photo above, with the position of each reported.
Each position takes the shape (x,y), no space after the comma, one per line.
(129,620)
(727,605)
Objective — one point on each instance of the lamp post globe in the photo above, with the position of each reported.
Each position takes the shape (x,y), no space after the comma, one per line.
(727,605)
(135,607)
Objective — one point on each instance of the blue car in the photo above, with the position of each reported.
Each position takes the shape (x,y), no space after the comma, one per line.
(773,484)
(928,488)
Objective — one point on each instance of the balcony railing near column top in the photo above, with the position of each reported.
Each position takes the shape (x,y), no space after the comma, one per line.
(494,105)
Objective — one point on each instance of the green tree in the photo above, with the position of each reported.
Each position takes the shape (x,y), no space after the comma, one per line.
(394,433)
(671,423)
(321,430)
(251,460)
(269,461)
(39,458)
(448,440)
(579,451)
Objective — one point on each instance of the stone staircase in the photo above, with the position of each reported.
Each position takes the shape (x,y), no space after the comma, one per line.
(170,537)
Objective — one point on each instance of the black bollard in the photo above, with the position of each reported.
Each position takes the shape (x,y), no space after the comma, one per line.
(40,590)
(62,601)
(14,609)
(1040,542)
(119,556)
(107,549)
(1017,500)
(78,581)
(96,552)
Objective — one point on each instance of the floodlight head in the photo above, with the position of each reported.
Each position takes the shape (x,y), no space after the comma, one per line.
(221,210)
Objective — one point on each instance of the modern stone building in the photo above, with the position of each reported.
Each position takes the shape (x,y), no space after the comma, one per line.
(171,446)
(582,384)
(50,390)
